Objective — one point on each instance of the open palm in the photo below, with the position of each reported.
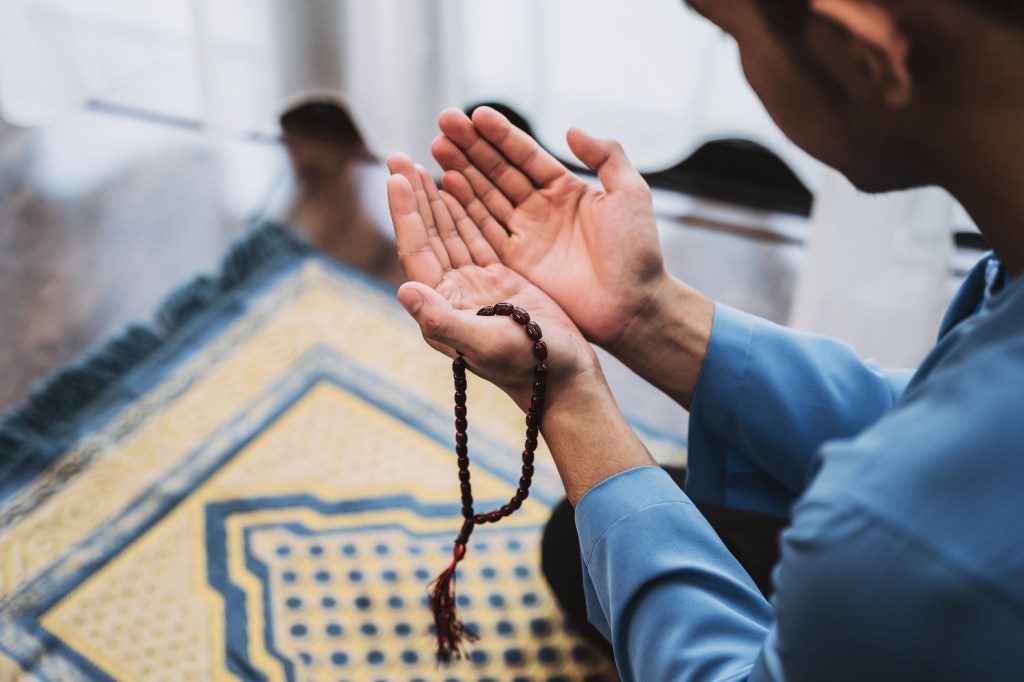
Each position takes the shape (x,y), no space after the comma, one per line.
(595,252)
(454,271)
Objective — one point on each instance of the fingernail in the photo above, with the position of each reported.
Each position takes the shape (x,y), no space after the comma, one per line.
(411,299)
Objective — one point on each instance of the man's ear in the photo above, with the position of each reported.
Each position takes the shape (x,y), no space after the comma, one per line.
(879,46)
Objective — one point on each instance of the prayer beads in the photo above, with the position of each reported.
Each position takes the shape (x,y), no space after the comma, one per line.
(448,626)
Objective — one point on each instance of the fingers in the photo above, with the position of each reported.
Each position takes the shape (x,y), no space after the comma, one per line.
(519,148)
(510,180)
(458,254)
(614,169)
(402,165)
(479,248)
(440,323)
(450,157)
(417,255)
(459,187)
(492,346)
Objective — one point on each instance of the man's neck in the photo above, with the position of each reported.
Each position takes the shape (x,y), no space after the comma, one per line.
(977,152)
(990,185)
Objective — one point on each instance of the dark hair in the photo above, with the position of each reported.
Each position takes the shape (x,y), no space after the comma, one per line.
(790,15)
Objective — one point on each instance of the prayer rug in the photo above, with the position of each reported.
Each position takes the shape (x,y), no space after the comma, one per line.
(259,486)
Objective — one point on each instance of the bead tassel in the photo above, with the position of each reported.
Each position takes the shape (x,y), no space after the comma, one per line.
(450,631)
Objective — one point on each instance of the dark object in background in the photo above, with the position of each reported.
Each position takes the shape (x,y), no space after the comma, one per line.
(752,538)
(324,120)
(968,239)
(508,112)
(741,172)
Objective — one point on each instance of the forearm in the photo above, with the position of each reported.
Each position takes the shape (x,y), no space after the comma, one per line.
(587,434)
(762,398)
(659,582)
(661,585)
(666,341)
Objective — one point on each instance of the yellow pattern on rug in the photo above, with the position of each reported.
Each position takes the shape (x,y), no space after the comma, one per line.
(273,507)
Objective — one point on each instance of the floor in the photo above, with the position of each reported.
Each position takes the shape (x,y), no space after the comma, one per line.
(105,212)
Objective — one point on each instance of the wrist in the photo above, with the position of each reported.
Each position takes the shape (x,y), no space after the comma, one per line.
(582,396)
(561,387)
(667,339)
(588,436)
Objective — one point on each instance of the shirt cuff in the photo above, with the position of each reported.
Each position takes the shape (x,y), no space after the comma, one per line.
(620,496)
(723,374)
(715,472)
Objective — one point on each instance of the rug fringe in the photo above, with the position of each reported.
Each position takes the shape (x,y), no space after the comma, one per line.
(246,256)
(61,399)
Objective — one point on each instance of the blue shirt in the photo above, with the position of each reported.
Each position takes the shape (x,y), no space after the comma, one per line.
(905,557)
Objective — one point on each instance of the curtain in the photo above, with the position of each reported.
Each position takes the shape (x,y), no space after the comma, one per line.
(648,72)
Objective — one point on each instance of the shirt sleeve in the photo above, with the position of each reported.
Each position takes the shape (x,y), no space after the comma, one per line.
(768,397)
(662,587)
(858,597)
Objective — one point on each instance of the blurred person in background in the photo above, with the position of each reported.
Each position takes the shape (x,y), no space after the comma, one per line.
(904,557)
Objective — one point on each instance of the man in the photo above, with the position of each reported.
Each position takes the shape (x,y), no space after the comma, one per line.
(905,554)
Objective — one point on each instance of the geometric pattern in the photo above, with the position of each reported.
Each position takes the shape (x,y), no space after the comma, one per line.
(267,499)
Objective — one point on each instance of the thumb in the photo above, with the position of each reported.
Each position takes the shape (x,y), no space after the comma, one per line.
(438,320)
(614,169)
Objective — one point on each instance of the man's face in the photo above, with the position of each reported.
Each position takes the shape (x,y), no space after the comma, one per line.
(793,83)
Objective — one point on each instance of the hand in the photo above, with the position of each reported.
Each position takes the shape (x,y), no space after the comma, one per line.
(454,271)
(595,252)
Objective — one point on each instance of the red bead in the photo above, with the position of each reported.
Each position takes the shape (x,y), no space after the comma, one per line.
(463,460)
(503,309)
(460,398)
(486,311)
(520,315)
(522,493)
(528,457)
(494,516)
(461,424)
(464,476)
(536,403)
(466,487)
(461,384)
(539,387)
(459,365)
(540,371)
(460,411)
(531,444)
(533,331)
(480,519)
(515,503)
(461,438)
(506,510)
(467,513)
(532,419)
(540,350)
(528,470)
(531,432)
(461,451)
(524,481)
